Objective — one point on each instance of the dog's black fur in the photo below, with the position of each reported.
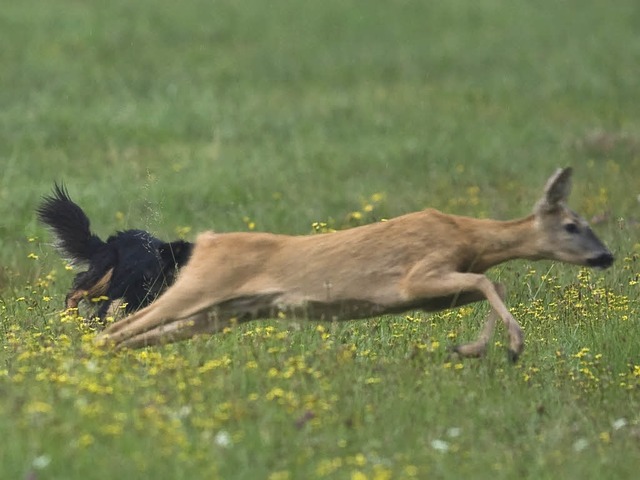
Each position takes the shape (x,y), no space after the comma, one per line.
(132,266)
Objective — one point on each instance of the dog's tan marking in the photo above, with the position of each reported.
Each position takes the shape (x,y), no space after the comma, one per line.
(425,260)
(98,289)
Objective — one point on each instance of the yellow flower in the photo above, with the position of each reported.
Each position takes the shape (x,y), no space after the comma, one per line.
(281,475)
(182,232)
(85,440)
(583,352)
(113,429)
(39,407)
(358,475)
(381,473)
(328,466)
(251,225)
(359,459)
(276,392)
(411,470)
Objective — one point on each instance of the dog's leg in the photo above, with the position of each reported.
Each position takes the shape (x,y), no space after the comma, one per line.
(418,288)
(72,300)
(88,285)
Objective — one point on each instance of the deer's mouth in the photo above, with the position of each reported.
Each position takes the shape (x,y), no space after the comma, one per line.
(604,260)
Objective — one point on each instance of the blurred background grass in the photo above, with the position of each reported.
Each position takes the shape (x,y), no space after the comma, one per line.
(183,116)
(197,114)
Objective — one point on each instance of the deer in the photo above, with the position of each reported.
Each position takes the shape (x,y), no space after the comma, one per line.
(426,260)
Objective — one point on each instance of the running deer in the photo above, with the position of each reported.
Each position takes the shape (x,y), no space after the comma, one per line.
(426,260)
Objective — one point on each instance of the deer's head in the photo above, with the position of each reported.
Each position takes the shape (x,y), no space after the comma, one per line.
(563,234)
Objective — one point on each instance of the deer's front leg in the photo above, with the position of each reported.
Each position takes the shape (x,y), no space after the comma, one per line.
(183,329)
(184,299)
(469,287)
(478,347)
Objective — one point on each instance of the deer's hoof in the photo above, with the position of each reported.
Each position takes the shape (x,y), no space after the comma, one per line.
(513,356)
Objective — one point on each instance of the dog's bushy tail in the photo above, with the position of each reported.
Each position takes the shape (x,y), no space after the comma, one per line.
(70,226)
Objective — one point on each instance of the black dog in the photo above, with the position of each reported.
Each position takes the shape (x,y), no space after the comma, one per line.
(132,267)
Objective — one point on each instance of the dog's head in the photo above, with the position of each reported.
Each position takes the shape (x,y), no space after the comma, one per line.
(173,256)
(144,271)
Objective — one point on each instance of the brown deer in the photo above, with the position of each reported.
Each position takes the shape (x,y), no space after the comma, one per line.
(426,260)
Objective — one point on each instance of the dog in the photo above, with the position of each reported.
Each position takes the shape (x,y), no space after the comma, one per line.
(129,270)
(420,261)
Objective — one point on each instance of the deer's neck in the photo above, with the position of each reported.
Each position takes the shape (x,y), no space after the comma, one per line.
(494,242)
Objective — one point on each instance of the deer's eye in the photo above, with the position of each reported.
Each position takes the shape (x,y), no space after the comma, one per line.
(571,228)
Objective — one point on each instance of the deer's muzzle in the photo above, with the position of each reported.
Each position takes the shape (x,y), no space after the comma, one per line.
(604,260)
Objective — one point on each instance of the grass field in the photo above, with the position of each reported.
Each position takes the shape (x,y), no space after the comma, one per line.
(183,116)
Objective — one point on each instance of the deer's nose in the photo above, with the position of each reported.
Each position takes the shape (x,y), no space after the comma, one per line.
(604,260)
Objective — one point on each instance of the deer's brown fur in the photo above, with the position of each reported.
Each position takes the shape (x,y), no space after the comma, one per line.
(426,260)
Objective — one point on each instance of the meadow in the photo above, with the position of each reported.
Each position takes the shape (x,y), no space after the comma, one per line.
(300,117)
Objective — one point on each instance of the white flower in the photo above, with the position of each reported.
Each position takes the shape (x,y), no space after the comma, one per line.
(454,432)
(41,462)
(619,423)
(183,412)
(440,445)
(222,439)
(580,444)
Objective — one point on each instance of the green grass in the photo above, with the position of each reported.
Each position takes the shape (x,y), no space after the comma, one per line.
(180,117)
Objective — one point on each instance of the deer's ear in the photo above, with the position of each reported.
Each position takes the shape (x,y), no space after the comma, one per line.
(556,191)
